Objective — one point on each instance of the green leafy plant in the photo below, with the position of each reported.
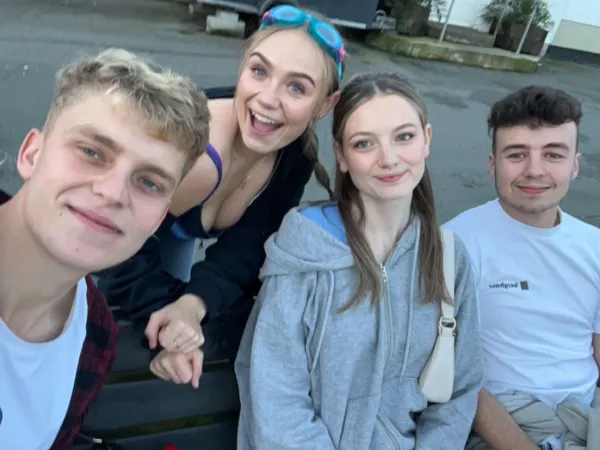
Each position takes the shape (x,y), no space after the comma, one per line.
(412,15)
(517,12)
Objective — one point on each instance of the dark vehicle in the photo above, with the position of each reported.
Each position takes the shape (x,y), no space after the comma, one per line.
(359,14)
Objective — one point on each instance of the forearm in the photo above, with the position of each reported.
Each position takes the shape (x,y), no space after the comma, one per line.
(217,288)
(494,425)
(596,348)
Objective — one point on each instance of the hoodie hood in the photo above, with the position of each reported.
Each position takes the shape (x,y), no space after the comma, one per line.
(313,239)
(302,244)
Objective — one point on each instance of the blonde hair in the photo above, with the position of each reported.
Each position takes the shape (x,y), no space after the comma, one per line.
(309,138)
(174,109)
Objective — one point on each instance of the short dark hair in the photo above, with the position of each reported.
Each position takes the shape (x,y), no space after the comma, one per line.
(534,106)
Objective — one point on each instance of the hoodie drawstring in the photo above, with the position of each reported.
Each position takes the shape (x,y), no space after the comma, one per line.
(325,320)
(414,275)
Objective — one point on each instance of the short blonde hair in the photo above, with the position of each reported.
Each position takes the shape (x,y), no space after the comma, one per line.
(174,109)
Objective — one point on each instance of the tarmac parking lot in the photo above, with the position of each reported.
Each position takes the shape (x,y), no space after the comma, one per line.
(37,36)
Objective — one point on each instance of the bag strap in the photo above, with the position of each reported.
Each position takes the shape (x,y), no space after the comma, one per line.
(447,320)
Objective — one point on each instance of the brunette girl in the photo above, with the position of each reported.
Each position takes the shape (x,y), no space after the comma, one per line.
(350,305)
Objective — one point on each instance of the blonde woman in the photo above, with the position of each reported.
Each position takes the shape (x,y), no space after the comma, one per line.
(262,154)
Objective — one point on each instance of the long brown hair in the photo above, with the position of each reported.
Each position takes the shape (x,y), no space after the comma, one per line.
(430,259)
(309,138)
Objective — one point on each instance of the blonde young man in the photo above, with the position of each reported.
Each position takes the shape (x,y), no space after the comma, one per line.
(98,180)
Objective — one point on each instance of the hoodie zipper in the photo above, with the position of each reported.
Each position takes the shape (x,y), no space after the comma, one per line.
(388,319)
(388,322)
(387,304)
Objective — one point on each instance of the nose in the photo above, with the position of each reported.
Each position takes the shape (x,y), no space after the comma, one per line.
(112,186)
(268,97)
(387,156)
(535,166)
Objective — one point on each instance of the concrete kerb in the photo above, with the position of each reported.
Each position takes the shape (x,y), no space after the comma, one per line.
(426,48)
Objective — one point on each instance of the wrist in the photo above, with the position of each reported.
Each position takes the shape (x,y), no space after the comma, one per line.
(195,304)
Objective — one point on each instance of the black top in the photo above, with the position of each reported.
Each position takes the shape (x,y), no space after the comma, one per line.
(142,285)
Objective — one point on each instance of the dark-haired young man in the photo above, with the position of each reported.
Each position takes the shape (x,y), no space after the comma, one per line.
(538,272)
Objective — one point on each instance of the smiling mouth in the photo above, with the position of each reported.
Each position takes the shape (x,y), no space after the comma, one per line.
(533,189)
(263,125)
(95,221)
(391,178)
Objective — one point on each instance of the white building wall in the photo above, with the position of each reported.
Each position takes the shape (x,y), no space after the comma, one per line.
(575,23)
(579,28)
(466,13)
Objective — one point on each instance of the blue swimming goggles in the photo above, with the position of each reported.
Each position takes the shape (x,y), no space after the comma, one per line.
(324,34)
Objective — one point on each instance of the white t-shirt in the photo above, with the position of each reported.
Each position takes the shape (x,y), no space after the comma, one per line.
(37,379)
(539,298)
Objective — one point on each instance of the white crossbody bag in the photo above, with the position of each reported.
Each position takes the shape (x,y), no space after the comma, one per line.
(437,378)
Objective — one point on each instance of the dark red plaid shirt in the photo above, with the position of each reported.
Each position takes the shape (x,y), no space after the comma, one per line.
(98,352)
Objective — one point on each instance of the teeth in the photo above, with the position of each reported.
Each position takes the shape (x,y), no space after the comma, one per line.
(264,119)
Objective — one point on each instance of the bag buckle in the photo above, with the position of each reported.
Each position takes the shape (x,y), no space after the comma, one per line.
(447,323)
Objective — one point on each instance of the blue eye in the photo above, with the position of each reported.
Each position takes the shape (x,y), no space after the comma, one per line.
(150,184)
(297,89)
(404,137)
(257,71)
(90,152)
(363,143)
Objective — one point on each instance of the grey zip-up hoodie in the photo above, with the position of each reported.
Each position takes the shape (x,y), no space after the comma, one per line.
(313,378)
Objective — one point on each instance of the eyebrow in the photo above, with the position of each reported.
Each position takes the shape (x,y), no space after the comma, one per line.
(92,133)
(269,64)
(550,145)
(399,128)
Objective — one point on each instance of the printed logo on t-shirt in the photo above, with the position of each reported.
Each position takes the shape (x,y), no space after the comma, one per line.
(523,285)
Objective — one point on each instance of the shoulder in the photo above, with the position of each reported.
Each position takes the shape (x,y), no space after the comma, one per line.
(97,354)
(474,227)
(579,240)
(292,172)
(463,261)
(321,213)
(223,125)
(579,228)
(305,219)
(327,216)
(471,219)
(465,274)
(102,329)
(293,158)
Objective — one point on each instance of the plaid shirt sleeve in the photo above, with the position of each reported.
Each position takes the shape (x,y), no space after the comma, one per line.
(97,355)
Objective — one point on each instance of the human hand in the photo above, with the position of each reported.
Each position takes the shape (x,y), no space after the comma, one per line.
(176,327)
(178,367)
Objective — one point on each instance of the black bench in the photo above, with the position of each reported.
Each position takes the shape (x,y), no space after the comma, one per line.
(140,412)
